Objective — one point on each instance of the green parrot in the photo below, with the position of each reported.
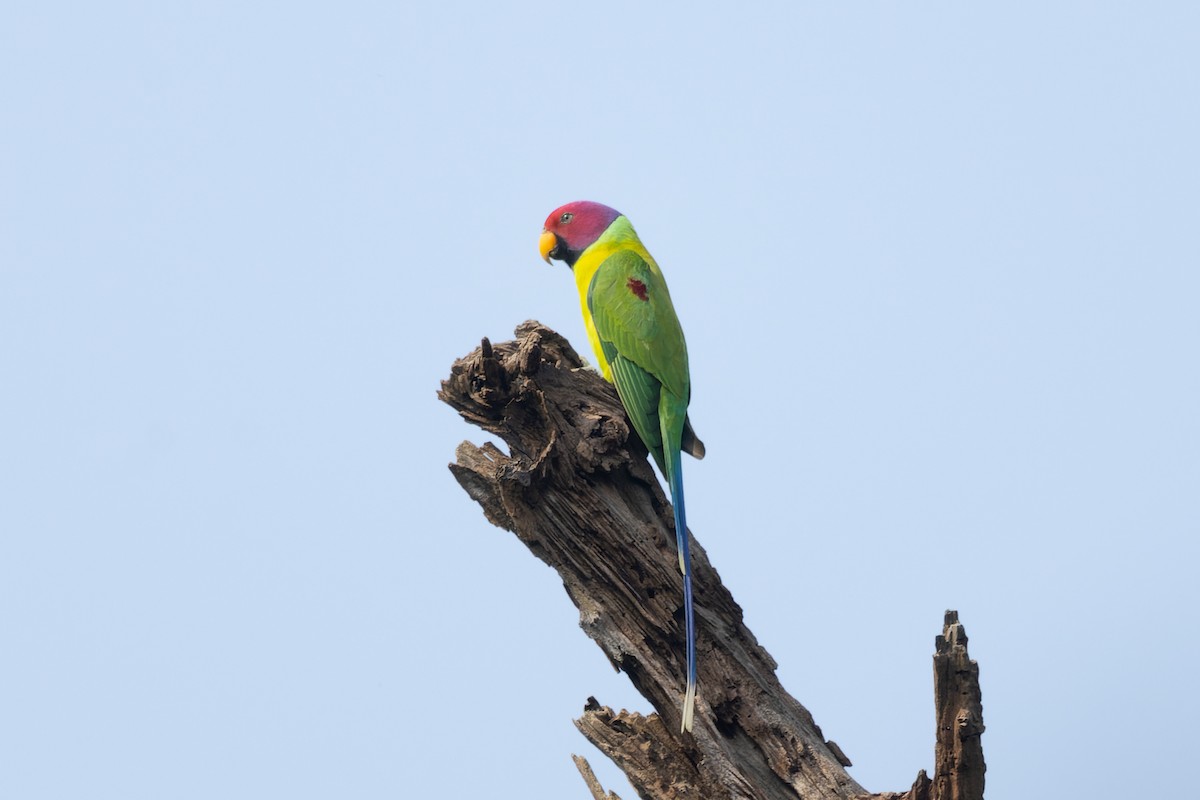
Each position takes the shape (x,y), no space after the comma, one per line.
(639,343)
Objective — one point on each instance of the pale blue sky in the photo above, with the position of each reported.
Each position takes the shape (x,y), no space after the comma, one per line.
(938,268)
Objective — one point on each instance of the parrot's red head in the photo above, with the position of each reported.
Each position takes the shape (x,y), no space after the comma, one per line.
(573,228)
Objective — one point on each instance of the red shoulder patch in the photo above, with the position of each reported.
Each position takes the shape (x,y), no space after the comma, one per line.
(638,288)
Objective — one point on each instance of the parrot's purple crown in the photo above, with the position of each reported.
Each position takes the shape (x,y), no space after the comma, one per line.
(587,222)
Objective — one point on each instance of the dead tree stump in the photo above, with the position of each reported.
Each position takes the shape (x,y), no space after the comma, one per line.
(578,491)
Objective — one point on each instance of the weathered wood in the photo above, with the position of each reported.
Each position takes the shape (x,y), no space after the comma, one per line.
(593,783)
(958,752)
(577,489)
(959,767)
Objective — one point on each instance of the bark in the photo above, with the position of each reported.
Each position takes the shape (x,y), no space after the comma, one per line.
(577,489)
(593,783)
(959,754)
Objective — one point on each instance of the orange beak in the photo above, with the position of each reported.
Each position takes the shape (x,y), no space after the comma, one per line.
(546,242)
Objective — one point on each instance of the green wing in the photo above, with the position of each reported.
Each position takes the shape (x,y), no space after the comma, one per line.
(644,344)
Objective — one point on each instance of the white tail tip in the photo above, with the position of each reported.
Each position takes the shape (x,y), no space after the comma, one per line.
(689,708)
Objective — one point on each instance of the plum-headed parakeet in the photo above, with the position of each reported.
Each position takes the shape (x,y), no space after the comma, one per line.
(639,343)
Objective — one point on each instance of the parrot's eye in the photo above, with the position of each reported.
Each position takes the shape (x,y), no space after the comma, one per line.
(566,217)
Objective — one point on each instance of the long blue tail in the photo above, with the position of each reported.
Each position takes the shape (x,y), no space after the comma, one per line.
(675,479)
